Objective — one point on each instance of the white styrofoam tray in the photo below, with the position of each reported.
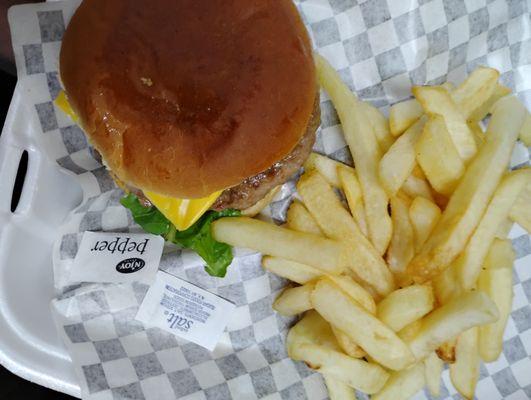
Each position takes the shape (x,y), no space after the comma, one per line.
(29,344)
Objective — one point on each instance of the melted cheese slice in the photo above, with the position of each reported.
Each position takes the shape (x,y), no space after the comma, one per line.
(62,102)
(182,213)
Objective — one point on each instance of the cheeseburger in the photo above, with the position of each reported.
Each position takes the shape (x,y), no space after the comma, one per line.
(195,106)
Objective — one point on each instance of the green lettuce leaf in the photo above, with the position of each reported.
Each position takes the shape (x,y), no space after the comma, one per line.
(198,237)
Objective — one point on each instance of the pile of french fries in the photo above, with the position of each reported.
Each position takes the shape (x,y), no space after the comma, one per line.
(415,270)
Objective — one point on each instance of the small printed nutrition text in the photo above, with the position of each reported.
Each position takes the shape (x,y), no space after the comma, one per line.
(187,307)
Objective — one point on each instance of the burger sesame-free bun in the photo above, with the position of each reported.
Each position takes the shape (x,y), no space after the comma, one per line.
(188,97)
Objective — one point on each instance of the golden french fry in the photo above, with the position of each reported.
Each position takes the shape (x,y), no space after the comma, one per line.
(417,187)
(359,374)
(311,340)
(401,250)
(447,322)
(410,331)
(324,254)
(293,301)
(311,329)
(261,204)
(436,100)
(379,125)
(496,280)
(464,373)
(338,390)
(424,215)
(352,189)
(504,228)
(446,351)
(326,167)
(481,112)
(477,131)
(300,220)
(378,340)
(337,223)
(355,291)
(403,115)
(525,132)
(405,306)
(476,90)
(347,344)
(399,161)
(445,285)
(468,265)
(295,272)
(365,151)
(471,198)
(433,368)
(438,156)
(520,211)
(402,385)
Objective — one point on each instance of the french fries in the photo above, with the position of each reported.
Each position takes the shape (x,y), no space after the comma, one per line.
(355,291)
(327,168)
(379,125)
(496,280)
(311,340)
(365,151)
(352,189)
(438,156)
(446,351)
(452,204)
(405,306)
(481,112)
(300,220)
(417,187)
(338,224)
(398,163)
(464,373)
(359,374)
(433,368)
(473,193)
(504,228)
(445,323)
(402,385)
(436,100)
(401,250)
(476,90)
(338,390)
(311,329)
(295,272)
(520,211)
(445,285)
(324,254)
(378,340)
(525,132)
(424,215)
(468,265)
(349,347)
(293,301)
(403,115)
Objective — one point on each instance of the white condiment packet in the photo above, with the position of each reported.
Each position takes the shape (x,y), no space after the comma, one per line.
(185,310)
(117,258)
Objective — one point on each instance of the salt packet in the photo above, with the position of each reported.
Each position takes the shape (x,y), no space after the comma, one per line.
(185,310)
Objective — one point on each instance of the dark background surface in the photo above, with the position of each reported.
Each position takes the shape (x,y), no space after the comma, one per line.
(12,387)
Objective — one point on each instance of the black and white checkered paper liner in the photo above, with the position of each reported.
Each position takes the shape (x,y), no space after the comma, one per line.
(381,48)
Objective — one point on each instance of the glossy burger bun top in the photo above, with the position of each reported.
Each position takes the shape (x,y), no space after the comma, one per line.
(188,97)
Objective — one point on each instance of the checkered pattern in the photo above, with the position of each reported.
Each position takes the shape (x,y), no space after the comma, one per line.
(381,48)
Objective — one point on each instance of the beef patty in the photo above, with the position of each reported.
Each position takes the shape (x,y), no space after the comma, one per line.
(255,188)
